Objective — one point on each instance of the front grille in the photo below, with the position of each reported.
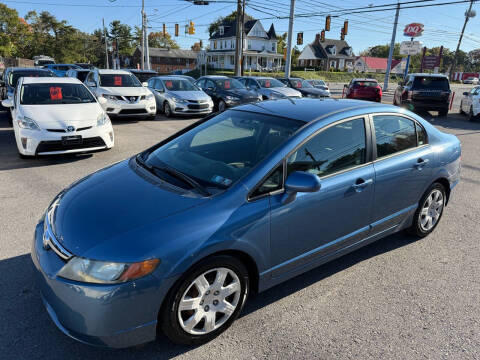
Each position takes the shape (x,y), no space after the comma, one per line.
(56,130)
(201,106)
(63,130)
(132,111)
(57,145)
(198,101)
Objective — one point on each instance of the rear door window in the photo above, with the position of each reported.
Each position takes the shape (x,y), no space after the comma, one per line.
(393,134)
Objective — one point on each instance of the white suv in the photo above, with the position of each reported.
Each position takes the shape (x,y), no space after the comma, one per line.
(125,95)
(470,103)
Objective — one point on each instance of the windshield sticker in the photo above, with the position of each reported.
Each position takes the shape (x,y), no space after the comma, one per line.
(168,84)
(267,83)
(55,93)
(221,180)
(227,84)
(117,81)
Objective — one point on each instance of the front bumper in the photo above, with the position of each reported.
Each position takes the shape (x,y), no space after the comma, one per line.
(190,108)
(117,316)
(141,108)
(44,142)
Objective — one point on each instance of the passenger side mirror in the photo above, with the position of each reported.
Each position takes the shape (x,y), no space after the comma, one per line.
(7,103)
(160,90)
(91,84)
(465,93)
(144,84)
(299,181)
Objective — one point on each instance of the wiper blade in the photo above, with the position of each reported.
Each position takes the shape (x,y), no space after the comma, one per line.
(175,173)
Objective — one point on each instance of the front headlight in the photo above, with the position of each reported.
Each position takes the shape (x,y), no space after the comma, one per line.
(110,97)
(105,272)
(149,97)
(179,100)
(27,123)
(103,119)
(231,98)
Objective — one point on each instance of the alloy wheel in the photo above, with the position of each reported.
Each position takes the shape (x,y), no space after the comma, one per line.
(221,106)
(209,301)
(431,210)
(166,110)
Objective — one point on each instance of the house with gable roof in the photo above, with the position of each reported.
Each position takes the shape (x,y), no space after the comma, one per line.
(327,54)
(259,46)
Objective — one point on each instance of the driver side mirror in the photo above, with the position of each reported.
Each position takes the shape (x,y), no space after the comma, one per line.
(160,90)
(465,93)
(7,103)
(144,84)
(91,84)
(299,181)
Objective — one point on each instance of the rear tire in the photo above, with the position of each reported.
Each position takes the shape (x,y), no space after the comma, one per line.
(221,106)
(429,211)
(202,320)
(443,112)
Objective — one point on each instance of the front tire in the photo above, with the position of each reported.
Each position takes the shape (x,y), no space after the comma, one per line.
(167,110)
(206,301)
(221,106)
(429,212)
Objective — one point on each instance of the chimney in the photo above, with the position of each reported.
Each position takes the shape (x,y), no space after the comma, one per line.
(317,39)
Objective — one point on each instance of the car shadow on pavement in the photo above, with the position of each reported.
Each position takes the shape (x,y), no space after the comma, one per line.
(27,331)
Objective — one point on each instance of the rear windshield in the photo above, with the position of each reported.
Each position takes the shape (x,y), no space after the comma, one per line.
(269,83)
(228,84)
(119,80)
(15,75)
(82,75)
(55,93)
(365,84)
(430,82)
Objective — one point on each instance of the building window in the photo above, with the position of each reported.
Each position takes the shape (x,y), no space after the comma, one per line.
(274,47)
(221,30)
(249,44)
(215,44)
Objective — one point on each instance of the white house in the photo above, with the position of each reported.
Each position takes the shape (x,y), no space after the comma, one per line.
(260,47)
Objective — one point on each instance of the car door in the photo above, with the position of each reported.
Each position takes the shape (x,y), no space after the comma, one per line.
(338,215)
(403,167)
(159,91)
(209,88)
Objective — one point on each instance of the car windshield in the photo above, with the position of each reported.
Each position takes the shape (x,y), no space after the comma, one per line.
(270,83)
(317,82)
(15,75)
(299,83)
(228,84)
(55,93)
(430,83)
(220,151)
(119,80)
(179,85)
(365,84)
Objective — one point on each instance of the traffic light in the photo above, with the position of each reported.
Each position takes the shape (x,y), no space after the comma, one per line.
(191,28)
(300,38)
(345,27)
(342,34)
(328,20)
(164,30)
(176,29)
(322,36)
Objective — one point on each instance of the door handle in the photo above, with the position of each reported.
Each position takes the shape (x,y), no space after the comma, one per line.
(421,163)
(360,184)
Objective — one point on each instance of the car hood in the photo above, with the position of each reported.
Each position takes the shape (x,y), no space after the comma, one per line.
(125,91)
(242,93)
(63,115)
(109,209)
(286,91)
(190,95)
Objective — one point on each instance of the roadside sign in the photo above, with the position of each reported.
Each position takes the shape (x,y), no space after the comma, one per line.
(430,62)
(413,30)
(410,47)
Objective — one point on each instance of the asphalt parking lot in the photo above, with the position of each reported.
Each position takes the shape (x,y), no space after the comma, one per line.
(397,298)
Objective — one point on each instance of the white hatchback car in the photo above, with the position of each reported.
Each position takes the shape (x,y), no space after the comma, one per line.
(125,95)
(470,103)
(58,115)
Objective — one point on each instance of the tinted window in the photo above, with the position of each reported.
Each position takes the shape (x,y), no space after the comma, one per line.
(421,135)
(228,84)
(430,82)
(51,93)
(179,85)
(270,83)
(81,75)
(220,151)
(393,134)
(365,84)
(201,83)
(14,76)
(336,148)
(273,182)
(119,80)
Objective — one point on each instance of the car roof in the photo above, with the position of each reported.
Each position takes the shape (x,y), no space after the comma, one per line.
(364,79)
(50,80)
(307,110)
(142,71)
(257,77)
(169,77)
(428,75)
(29,69)
(112,71)
(214,77)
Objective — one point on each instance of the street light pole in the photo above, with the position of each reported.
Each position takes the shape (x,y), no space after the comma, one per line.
(392,46)
(288,62)
(106,45)
(143,36)
(238,52)
(468,15)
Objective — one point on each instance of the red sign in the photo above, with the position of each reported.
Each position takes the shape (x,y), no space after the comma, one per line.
(55,93)
(431,61)
(413,30)
(117,80)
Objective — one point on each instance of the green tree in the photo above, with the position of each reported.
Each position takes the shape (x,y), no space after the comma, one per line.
(156,39)
(382,51)
(121,35)
(229,19)
(15,33)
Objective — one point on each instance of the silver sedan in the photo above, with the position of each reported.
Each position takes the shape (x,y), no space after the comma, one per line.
(177,96)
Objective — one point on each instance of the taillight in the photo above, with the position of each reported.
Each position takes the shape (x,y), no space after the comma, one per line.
(409,94)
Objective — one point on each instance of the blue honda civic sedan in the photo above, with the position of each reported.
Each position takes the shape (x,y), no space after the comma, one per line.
(175,238)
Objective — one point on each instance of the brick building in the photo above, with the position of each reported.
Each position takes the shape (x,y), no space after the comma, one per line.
(165,60)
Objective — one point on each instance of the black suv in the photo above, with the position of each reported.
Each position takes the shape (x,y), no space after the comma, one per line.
(424,92)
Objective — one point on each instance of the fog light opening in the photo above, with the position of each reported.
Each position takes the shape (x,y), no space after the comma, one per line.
(111,135)
(24,142)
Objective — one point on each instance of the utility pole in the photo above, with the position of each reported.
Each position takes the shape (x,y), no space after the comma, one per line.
(147,49)
(468,15)
(242,40)
(238,52)
(143,36)
(288,62)
(106,44)
(392,46)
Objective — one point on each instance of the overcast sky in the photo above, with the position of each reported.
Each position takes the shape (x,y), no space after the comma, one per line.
(442,23)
